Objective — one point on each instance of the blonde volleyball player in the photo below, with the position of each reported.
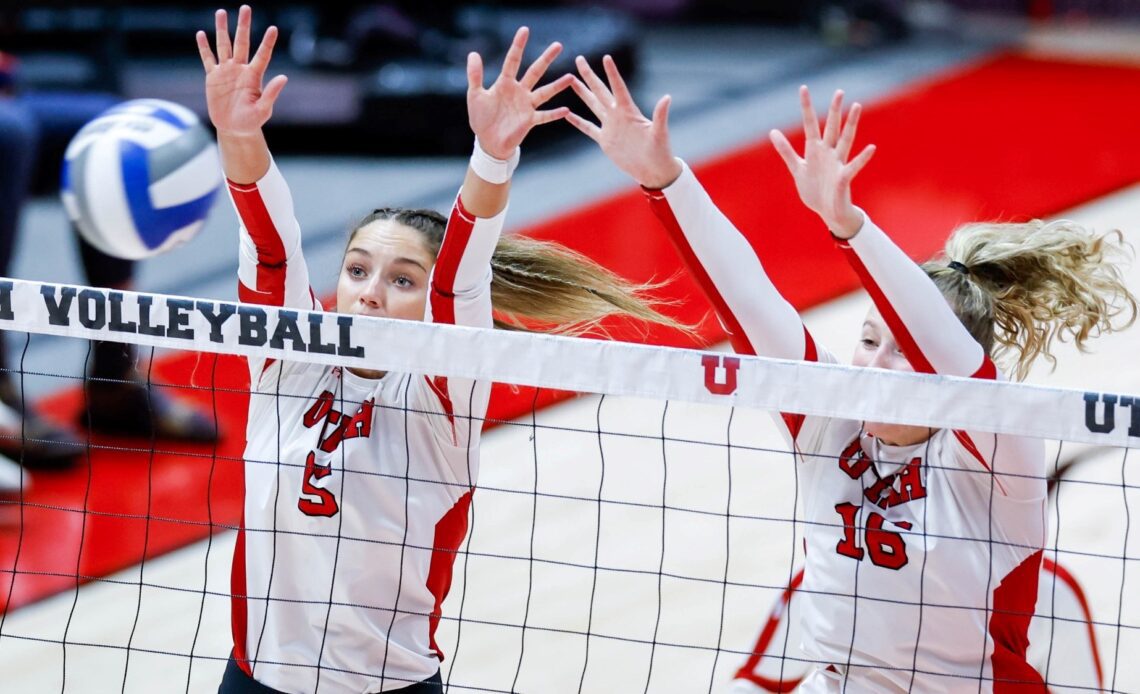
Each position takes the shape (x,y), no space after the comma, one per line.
(358,482)
(923,546)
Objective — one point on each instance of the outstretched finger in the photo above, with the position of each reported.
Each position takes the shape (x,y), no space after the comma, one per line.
(539,67)
(264,51)
(811,123)
(273,90)
(661,115)
(545,93)
(549,115)
(594,82)
(587,97)
(617,84)
(241,34)
(857,164)
(834,117)
(785,150)
(514,56)
(205,52)
(474,71)
(588,129)
(847,137)
(222,36)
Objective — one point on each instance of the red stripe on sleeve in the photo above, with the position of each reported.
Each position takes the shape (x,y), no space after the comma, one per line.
(903,336)
(987,371)
(455,239)
(449,534)
(247,295)
(271,256)
(736,335)
(905,340)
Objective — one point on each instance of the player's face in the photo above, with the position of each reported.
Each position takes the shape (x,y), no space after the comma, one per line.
(877,348)
(385,272)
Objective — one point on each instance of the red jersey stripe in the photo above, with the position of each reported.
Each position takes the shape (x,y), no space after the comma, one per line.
(1069,580)
(779,612)
(438,386)
(449,534)
(1014,600)
(795,422)
(238,605)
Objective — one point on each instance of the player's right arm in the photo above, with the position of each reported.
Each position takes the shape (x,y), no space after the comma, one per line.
(271,268)
(757,318)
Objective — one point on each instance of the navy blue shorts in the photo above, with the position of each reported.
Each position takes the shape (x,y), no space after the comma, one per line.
(235,681)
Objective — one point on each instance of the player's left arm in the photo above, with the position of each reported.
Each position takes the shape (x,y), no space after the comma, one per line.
(500,116)
(923,324)
(921,320)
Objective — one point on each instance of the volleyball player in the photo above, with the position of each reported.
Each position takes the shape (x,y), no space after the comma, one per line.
(358,482)
(923,546)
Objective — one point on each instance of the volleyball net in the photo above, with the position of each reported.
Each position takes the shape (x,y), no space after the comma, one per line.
(645,534)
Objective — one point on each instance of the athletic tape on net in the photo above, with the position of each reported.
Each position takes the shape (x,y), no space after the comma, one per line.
(594,366)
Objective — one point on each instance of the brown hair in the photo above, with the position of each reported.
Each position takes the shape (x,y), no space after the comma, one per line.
(542,286)
(1019,287)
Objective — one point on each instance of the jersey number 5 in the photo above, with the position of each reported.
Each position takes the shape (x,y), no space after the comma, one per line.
(325,504)
(886,547)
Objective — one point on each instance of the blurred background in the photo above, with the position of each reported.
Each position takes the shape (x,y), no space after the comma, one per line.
(387,78)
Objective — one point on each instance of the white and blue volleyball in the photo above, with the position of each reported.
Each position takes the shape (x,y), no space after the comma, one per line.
(140,178)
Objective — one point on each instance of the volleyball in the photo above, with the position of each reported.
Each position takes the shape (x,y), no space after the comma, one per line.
(140,178)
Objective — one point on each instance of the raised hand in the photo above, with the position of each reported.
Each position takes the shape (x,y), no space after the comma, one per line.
(823,175)
(502,115)
(235,99)
(637,145)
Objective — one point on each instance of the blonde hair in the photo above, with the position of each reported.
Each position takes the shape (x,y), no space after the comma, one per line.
(1019,287)
(544,287)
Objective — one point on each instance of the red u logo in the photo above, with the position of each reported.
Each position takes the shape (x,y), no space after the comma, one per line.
(731,366)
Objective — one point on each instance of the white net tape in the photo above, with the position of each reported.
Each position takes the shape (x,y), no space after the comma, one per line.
(591,366)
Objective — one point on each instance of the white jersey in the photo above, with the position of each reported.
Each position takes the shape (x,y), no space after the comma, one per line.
(356,489)
(922,561)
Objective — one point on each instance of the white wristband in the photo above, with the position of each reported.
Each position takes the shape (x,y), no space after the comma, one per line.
(490,169)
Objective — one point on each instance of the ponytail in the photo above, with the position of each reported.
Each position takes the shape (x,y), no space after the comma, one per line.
(541,286)
(1019,287)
